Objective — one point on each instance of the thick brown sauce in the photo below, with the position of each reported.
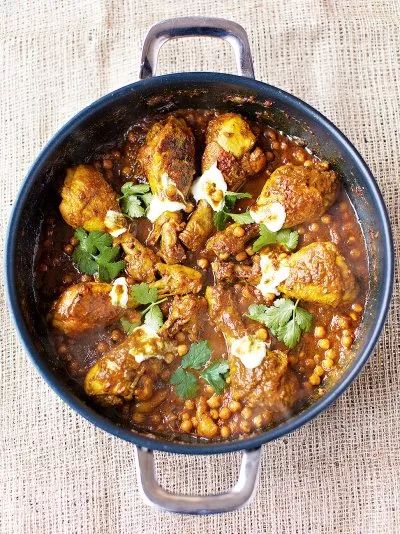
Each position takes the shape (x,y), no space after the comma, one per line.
(55,272)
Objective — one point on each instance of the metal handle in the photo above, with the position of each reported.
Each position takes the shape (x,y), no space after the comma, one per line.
(163,31)
(235,498)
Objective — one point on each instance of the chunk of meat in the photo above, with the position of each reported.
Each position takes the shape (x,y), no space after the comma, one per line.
(229,141)
(225,243)
(188,315)
(86,198)
(167,158)
(140,261)
(118,375)
(177,280)
(318,273)
(230,273)
(304,192)
(166,229)
(224,313)
(270,387)
(199,227)
(83,307)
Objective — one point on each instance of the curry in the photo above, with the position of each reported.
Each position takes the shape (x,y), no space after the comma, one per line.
(203,278)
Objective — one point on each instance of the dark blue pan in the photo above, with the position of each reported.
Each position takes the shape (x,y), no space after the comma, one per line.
(106,120)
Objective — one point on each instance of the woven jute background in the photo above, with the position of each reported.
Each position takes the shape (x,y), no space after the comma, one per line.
(338,474)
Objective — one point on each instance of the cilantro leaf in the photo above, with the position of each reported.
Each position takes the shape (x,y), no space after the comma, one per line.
(134,189)
(220,219)
(95,255)
(241,218)
(231,198)
(288,238)
(198,354)
(185,383)
(222,216)
(285,320)
(127,326)
(132,206)
(154,318)
(144,294)
(215,375)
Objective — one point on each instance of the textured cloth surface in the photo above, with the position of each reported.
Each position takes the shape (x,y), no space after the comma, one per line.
(338,474)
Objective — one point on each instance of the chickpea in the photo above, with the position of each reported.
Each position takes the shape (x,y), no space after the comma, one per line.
(186,426)
(245,426)
(195,422)
(262,334)
(235,406)
(300,156)
(189,404)
(102,346)
(214,414)
(165,375)
(203,263)
(353,316)
(185,416)
(314,380)
(214,401)
(62,349)
(269,156)
(241,256)
(189,207)
(319,332)
(246,413)
(238,231)
(224,413)
(346,341)
(318,370)
(107,164)
(180,336)
(324,165)
(217,196)
(275,145)
(314,227)
(330,354)
(73,241)
(126,171)
(250,251)
(67,279)
(327,364)
(170,191)
(351,240)
(300,230)
(138,418)
(355,253)
(68,249)
(182,349)
(169,357)
(224,256)
(116,335)
(324,343)
(258,421)
(308,163)
(326,219)
(357,307)
(209,390)
(343,322)
(207,427)
(225,432)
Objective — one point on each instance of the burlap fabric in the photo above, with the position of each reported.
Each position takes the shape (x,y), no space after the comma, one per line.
(340,473)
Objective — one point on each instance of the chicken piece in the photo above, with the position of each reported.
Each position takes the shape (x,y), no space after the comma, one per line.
(177,280)
(199,227)
(140,261)
(225,243)
(84,306)
(167,158)
(318,273)
(166,228)
(86,198)
(229,141)
(230,273)
(271,387)
(118,374)
(188,315)
(304,192)
(223,312)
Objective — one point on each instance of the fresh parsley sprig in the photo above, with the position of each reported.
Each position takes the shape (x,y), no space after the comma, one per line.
(285,319)
(196,358)
(95,254)
(135,199)
(222,216)
(288,238)
(143,294)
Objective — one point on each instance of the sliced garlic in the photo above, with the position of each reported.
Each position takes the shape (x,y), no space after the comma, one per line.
(115,223)
(272,215)
(146,344)
(249,350)
(119,293)
(158,206)
(210,184)
(273,273)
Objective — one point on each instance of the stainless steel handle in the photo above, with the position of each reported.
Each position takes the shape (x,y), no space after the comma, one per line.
(235,498)
(163,31)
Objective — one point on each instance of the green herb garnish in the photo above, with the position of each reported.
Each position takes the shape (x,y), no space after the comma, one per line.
(127,326)
(185,383)
(215,375)
(144,294)
(197,356)
(285,319)
(223,215)
(95,254)
(288,238)
(154,318)
(135,199)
